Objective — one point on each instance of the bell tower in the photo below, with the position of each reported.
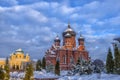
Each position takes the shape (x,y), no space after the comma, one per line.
(81,43)
(69,41)
(57,41)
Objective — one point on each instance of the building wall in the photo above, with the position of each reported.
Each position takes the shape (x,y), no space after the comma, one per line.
(16,60)
(2,63)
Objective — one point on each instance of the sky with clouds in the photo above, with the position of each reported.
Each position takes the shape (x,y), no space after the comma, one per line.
(33,24)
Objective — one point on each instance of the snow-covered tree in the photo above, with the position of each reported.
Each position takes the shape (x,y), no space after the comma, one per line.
(81,67)
(98,66)
(57,68)
(38,65)
(110,62)
(117,59)
(43,63)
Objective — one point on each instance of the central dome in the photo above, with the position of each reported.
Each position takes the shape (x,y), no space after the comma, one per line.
(69,30)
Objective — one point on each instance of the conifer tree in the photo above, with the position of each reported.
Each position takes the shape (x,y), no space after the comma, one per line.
(78,62)
(109,62)
(29,72)
(2,74)
(7,70)
(117,59)
(57,68)
(38,65)
(43,63)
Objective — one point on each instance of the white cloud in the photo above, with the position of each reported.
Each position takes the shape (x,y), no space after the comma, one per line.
(35,25)
(114,20)
(88,29)
(39,5)
(66,10)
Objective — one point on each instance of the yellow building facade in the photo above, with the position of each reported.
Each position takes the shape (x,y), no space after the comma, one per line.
(17,60)
(2,62)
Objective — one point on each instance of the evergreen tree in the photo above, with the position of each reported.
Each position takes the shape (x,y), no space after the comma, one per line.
(57,68)
(2,74)
(29,72)
(109,62)
(117,59)
(7,70)
(43,63)
(38,65)
(78,62)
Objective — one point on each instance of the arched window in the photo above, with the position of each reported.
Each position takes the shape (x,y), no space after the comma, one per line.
(64,59)
(71,59)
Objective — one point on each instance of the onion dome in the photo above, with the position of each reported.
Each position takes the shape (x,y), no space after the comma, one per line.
(70,31)
(57,39)
(19,50)
(67,35)
(81,37)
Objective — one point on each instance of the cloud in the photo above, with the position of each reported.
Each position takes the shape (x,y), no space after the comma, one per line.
(7,3)
(34,25)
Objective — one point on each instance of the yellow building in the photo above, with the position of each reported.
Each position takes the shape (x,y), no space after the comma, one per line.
(16,60)
(2,62)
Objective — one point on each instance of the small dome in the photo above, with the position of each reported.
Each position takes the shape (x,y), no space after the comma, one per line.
(19,50)
(81,37)
(57,38)
(70,31)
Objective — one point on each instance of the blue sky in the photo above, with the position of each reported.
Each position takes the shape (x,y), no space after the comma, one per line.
(33,24)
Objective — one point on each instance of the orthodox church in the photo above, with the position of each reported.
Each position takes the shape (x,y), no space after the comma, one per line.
(68,53)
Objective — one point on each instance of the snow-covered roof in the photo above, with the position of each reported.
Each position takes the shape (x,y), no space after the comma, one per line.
(57,38)
(52,52)
(69,29)
(19,50)
(81,37)
(68,35)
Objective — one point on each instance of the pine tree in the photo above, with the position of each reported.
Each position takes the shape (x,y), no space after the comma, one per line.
(109,62)
(29,72)
(43,63)
(38,65)
(57,68)
(117,59)
(7,70)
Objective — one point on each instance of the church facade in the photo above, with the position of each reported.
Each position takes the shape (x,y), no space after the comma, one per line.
(68,53)
(17,60)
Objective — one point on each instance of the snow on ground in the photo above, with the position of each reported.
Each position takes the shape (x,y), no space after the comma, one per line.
(44,74)
(103,76)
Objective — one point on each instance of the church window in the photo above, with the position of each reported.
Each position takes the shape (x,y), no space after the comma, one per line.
(64,59)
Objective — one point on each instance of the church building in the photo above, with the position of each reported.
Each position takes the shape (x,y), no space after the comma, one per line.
(68,53)
(16,61)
